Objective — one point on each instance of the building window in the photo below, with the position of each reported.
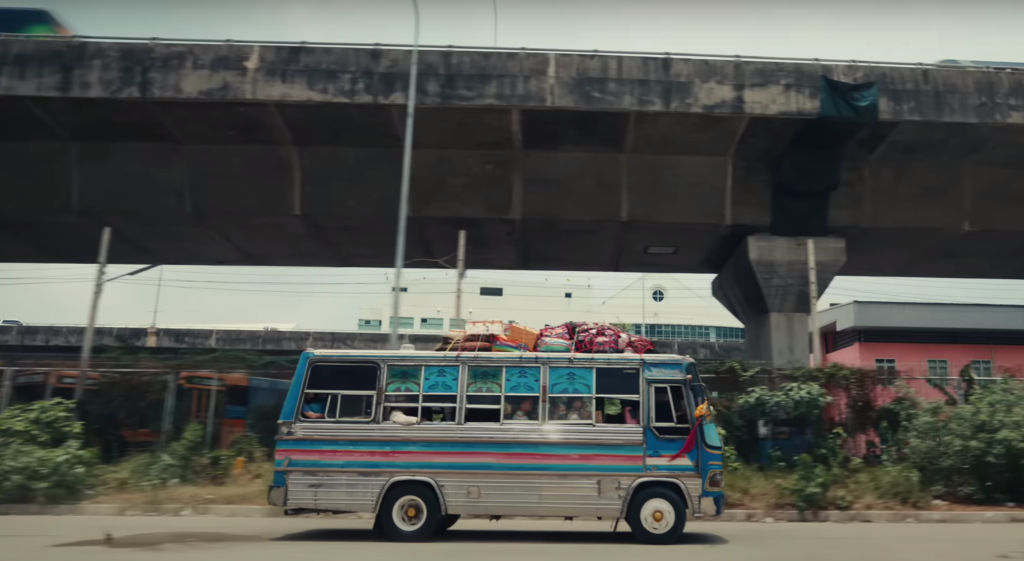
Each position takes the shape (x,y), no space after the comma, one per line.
(369,325)
(402,289)
(403,323)
(456,323)
(491,291)
(431,323)
(657,295)
(886,369)
(981,368)
(938,372)
(568,294)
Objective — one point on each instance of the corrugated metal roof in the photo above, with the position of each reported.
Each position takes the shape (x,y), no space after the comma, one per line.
(919,315)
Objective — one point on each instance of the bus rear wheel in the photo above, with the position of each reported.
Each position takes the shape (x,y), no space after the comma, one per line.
(409,513)
(656,515)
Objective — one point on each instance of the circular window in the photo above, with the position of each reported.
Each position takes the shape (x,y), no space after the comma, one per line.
(657,295)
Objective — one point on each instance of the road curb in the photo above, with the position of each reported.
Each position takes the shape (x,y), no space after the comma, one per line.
(232,511)
(870,516)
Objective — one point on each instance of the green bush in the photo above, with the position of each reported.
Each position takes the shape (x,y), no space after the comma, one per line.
(215,467)
(974,451)
(180,462)
(248,446)
(795,401)
(41,454)
(810,485)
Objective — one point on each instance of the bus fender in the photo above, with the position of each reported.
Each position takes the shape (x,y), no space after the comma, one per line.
(407,478)
(645,480)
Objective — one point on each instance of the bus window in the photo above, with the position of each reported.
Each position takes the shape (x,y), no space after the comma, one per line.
(440,393)
(340,392)
(617,392)
(429,393)
(522,394)
(670,416)
(572,395)
(483,394)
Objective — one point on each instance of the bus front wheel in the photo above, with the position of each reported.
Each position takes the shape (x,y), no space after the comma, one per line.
(409,513)
(656,515)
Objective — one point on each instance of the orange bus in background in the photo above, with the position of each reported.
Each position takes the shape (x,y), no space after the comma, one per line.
(31,386)
(231,390)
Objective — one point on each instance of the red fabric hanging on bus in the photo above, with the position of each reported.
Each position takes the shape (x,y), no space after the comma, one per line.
(691,442)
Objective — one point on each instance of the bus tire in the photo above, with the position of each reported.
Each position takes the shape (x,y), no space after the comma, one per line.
(409,513)
(656,515)
(448,521)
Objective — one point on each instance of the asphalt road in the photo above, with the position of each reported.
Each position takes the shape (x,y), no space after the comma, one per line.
(82,538)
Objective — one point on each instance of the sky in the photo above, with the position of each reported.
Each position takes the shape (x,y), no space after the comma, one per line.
(315,298)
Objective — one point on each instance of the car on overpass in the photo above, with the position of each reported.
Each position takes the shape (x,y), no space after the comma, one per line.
(30,21)
(11,322)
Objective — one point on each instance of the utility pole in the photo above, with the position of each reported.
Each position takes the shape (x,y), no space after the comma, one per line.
(812,281)
(643,306)
(151,333)
(460,265)
(8,386)
(167,419)
(211,412)
(83,363)
(403,197)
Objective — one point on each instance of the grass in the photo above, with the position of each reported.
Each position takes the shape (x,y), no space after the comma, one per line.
(118,484)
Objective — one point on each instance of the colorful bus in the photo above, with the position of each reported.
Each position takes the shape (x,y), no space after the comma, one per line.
(422,438)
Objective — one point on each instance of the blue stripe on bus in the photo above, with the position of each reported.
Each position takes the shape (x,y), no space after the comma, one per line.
(494,447)
(460,466)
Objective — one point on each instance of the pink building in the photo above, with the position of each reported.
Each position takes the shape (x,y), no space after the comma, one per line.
(924,346)
(926,343)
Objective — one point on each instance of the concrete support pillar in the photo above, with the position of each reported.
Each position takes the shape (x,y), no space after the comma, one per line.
(765,285)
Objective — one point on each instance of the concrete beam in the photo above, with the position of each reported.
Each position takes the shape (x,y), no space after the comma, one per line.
(765,285)
(493,79)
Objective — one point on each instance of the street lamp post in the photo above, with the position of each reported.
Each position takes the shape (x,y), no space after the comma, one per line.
(90,328)
(403,197)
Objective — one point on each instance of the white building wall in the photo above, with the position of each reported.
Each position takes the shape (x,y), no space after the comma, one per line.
(537,301)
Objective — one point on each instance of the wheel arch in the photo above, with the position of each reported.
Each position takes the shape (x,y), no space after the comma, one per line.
(648,482)
(411,479)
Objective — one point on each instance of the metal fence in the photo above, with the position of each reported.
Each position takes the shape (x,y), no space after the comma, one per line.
(127,409)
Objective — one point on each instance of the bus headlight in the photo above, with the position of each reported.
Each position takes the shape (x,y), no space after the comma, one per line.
(716,481)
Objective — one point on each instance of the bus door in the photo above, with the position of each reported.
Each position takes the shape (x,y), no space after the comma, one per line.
(668,424)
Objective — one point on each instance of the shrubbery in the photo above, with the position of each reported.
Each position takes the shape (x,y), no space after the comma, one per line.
(41,455)
(185,461)
(972,452)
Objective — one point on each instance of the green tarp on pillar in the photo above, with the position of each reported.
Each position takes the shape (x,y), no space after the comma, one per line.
(811,167)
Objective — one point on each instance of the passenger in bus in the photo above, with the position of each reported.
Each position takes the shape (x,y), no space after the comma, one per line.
(526,411)
(313,406)
(559,411)
(579,411)
(611,413)
(630,418)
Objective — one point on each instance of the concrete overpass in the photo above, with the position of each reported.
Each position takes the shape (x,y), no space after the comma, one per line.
(289,155)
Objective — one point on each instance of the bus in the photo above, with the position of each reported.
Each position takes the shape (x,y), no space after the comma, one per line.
(30,21)
(45,384)
(421,438)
